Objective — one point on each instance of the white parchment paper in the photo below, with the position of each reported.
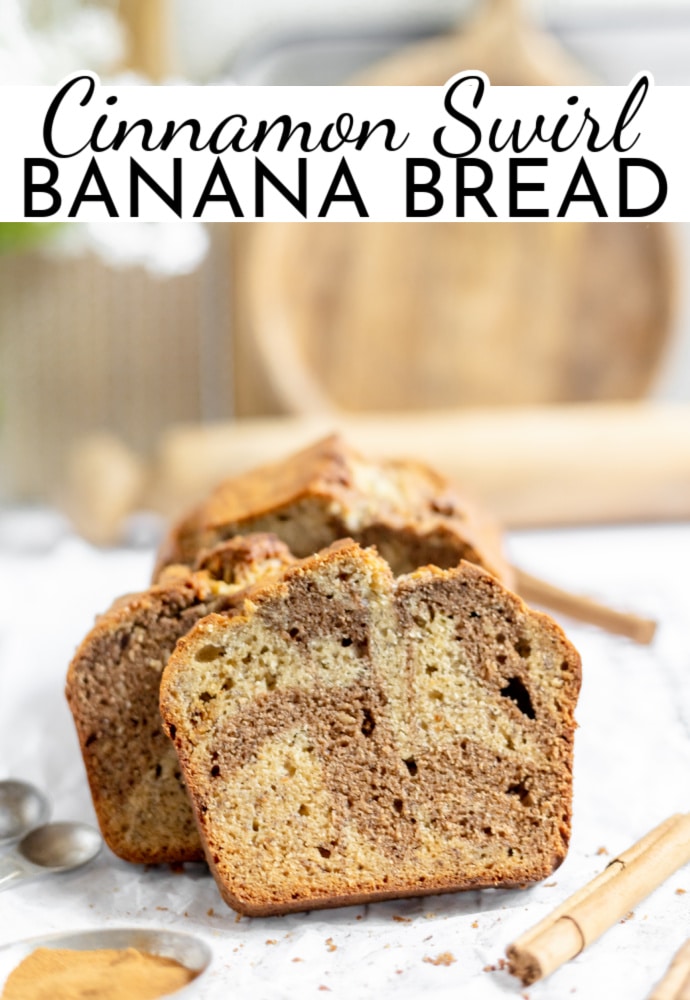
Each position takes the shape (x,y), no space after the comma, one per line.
(632,770)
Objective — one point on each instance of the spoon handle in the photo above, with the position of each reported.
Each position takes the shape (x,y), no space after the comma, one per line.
(14,869)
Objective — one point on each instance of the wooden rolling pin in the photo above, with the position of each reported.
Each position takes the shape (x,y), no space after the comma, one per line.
(584,463)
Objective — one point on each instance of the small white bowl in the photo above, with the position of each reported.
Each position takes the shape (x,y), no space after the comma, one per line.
(188,950)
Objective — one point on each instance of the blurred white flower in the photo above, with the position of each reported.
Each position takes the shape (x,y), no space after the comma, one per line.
(41,43)
(163,248)
(43,46)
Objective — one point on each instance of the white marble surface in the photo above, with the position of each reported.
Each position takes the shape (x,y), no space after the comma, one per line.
(632,770)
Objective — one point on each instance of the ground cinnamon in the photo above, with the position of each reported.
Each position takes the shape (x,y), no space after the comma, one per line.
(109,974)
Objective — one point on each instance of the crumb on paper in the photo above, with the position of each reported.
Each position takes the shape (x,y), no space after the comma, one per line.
(238,917)
(271,941)
(500,966)
(429,916)
(298,960)
(330,945)
(602,850)
(402,920)
(358,917)
(445,958)
(210,912)
(550,885)
(325,989)
(161,907)
(628,916)
(680,892)
(475,924)
(186,914)
(398,972)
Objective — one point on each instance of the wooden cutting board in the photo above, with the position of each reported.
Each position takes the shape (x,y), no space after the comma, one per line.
(427,315)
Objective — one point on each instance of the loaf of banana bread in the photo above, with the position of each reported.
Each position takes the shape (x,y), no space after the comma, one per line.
(411,513)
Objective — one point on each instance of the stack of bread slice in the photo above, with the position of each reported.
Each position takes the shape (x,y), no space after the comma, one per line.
(380,717)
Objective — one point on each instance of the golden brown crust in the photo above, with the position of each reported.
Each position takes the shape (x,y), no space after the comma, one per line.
(329,491)
(347,737)
(113,691)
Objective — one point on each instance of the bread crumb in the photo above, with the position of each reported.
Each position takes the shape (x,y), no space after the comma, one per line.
(210,912)
(325,989)
(358,917)
(398,972)
(330,945)
(298,960)
(402,920)
(475,924)
(628,916)
(602,850)
(238,917)
(502,964)
(429,916)
(680,892)
(161,907)
(489,968)
(271,941)
(550,885)
(445,958)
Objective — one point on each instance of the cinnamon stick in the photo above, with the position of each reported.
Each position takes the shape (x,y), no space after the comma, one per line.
(582,918)
(676,983)
(583,609)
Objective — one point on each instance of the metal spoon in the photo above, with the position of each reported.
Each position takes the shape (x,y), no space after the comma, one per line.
(22,807)
(54,847)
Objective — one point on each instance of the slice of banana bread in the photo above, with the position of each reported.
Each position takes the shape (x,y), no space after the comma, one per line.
(113,693)
(351,737)
(412,514)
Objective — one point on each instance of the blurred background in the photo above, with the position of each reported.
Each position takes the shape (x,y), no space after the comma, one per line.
(118,341)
